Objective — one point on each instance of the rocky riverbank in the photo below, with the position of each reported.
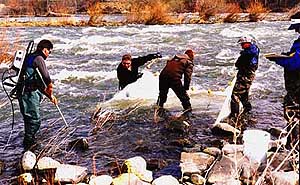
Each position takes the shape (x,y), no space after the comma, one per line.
(230,165)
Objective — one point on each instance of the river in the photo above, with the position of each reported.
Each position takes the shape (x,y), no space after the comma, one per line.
(83,66)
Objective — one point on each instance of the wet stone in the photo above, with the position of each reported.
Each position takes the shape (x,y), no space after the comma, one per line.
(154,164)
(79,144)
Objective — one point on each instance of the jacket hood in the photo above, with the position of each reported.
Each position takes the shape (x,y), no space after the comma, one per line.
(183,56)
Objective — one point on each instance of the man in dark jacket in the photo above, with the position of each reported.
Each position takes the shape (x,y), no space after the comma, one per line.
(36,82)
(170,77)
(128,71)
(246,64)
(291,67)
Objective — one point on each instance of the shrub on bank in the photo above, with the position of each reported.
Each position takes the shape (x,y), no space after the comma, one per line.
(149,12)
(233,9)
(95,12)
(256,10)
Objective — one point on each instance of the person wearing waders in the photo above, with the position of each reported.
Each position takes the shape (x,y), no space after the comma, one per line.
(36,83)
(246,64)
(127,70)
(291,100)
(170,77)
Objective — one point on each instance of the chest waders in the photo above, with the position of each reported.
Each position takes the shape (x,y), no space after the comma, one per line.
(29,102)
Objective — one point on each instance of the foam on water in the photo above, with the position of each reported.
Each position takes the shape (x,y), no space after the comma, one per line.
(65,74)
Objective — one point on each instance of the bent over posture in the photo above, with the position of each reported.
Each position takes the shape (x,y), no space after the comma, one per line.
(36,82)
(170,77)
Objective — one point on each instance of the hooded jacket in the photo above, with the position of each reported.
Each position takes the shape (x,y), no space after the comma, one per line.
(247,63)
(177,67)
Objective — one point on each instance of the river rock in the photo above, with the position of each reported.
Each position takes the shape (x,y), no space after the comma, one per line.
(178,124)
(165,180)
(101,180)
(189,168)
(276,132)
(278,158)
(137,165)
(248,170)
(154,164)
(25,178)
(128,178)
(28,160)
(224,129)
(214,151)
(70,173)
(200,159)
(285,178)
(229,182)
(79,144)
(232,148)
(218,172)
(47,163)
(197,179)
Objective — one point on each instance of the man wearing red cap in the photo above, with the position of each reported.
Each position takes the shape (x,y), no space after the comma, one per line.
(170,77)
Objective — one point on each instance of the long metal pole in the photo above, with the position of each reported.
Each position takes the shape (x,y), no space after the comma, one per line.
(62,116)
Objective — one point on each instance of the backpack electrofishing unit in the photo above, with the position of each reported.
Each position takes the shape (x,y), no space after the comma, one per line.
(13,78)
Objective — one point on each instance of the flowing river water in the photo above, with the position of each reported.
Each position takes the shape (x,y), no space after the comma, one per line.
(83,66)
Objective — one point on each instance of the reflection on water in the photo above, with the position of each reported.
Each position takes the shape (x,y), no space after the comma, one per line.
(83,67)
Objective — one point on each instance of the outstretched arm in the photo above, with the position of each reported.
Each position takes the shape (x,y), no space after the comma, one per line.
(142,60)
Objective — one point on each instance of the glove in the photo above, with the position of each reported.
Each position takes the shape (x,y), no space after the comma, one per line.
(157,55)
(53,100)
(139,75)
(49,90)
(49,93)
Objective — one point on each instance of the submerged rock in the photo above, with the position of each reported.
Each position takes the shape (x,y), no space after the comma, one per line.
(79,144)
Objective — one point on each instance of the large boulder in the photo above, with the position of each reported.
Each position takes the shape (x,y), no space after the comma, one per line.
(219,174)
